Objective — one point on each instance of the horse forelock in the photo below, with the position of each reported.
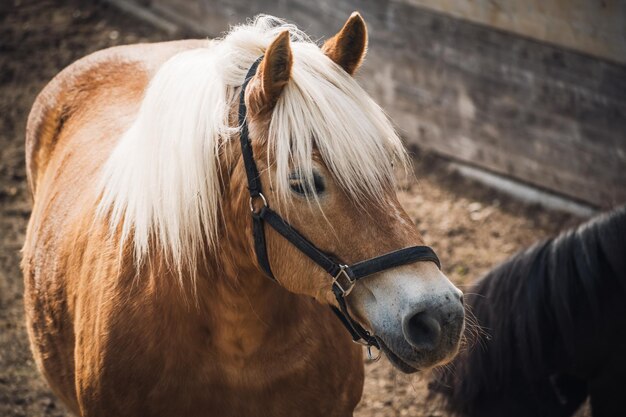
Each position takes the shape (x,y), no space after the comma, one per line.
(162,182)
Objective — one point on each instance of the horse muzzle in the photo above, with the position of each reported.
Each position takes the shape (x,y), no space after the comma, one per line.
(417,319)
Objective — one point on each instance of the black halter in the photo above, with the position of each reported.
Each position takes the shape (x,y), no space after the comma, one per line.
(344,277)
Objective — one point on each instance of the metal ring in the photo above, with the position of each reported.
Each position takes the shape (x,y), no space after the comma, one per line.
(361,342)
(372,357)
(252,201)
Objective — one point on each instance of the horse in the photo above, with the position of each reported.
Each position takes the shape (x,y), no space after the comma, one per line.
(199,205)
(555,323)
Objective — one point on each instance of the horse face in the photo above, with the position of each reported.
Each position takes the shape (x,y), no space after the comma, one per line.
(414,311)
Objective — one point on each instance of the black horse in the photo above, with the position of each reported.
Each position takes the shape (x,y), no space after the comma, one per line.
(554,318)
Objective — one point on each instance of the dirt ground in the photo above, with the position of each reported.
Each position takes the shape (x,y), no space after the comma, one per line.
(471,227)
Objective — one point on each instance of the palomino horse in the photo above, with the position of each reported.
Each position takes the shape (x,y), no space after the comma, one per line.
(146,286)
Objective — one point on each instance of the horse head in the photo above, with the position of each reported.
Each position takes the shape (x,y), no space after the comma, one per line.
(326,154)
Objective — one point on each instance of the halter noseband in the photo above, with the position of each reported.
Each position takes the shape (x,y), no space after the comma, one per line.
(344,277)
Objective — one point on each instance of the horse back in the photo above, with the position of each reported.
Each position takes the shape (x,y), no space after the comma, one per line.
(88,95)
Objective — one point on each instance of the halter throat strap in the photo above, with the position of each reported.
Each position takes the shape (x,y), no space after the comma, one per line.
(344,277)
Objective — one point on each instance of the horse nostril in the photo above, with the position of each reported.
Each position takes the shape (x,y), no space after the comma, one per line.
(422,331)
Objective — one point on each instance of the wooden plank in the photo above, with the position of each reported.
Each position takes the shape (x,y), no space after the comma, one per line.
(587,26)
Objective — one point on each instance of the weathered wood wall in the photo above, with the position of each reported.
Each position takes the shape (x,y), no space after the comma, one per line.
(537,112)
(597,27)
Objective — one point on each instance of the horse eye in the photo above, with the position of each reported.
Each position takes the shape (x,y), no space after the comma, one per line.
(302,187)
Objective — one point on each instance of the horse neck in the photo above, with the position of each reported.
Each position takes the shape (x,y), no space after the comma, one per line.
(246,310)
(247,313)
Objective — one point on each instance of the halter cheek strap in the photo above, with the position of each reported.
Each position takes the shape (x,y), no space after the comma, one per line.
(344,277)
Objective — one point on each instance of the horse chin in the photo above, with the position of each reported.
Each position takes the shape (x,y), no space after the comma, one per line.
(410,360)
(395,360)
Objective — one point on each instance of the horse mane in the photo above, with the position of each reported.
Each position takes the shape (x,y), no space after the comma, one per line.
(534,308)
(161,184)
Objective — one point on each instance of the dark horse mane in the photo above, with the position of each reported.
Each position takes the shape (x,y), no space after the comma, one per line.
(554,318)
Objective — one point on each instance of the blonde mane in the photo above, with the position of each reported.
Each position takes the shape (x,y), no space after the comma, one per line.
(161,183)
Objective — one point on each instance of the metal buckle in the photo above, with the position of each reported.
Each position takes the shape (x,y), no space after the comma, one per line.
(346,287)
(372,357)
(262,197)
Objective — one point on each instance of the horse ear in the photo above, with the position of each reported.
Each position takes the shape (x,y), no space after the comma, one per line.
(347,48)
(275,69)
